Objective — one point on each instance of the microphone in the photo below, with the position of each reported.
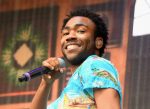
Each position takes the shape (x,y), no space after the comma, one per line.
(38,72)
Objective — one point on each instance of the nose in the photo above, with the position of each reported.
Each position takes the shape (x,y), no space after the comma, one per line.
(71,36)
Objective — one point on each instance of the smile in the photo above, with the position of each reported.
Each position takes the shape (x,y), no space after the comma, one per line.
(70,47)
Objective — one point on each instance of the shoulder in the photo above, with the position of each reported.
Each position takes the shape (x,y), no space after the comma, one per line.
(100,69)
(94,59)
(96,63)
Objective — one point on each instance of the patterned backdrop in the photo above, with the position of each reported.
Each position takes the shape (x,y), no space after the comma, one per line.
(25,35)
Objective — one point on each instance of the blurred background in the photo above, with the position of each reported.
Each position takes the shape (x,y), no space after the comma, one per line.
(30,32)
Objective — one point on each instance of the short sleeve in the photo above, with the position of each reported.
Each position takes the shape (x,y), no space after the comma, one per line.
(99,73)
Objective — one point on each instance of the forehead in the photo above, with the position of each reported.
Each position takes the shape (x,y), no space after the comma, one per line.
(79,20)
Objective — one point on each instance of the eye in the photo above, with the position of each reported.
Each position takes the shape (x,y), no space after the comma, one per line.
(81,31)
(65,33)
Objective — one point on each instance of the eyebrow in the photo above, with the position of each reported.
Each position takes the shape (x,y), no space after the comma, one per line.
(77,25)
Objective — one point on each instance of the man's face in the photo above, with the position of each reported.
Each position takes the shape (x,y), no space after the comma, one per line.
(77,40)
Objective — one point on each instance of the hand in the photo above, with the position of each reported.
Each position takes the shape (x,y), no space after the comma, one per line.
(53,64)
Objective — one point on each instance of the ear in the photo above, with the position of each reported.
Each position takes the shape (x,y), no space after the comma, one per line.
(99,42)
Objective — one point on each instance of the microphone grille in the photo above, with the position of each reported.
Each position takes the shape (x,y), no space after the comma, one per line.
(62,62)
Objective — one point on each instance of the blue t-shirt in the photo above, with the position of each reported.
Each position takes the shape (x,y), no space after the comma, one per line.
(94,72)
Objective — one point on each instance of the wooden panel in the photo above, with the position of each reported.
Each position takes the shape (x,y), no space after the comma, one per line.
(137,80)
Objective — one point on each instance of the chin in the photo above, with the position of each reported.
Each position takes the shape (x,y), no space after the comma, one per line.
(75,59)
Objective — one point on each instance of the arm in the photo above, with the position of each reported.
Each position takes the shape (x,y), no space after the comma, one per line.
(107,98)
(40,99)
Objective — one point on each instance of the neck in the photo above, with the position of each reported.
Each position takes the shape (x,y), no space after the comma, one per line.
(97,52)
(73,68)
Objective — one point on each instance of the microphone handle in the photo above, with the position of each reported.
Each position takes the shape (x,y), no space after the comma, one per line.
(34,73)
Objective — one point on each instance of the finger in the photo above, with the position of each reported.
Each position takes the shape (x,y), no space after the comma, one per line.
(54,62)
(46,64)
(62,70)
(47,76)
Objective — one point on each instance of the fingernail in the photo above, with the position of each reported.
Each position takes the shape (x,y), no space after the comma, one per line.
(49,77)
(52,68)
(61,71)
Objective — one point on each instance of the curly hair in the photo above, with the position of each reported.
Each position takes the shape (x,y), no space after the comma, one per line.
(101,28)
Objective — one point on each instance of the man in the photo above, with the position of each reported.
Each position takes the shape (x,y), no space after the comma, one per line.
(94,83)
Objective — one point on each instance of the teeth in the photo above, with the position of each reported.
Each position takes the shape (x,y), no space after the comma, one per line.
(72,46)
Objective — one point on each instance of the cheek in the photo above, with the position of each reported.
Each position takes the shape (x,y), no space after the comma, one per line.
(62,42)
(89,41)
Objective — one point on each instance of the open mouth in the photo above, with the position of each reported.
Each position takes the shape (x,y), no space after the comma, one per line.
(72,45)
(69,47)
